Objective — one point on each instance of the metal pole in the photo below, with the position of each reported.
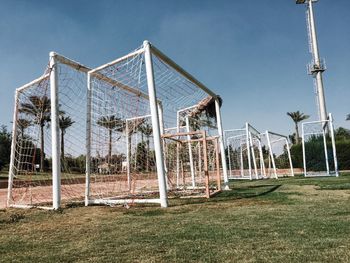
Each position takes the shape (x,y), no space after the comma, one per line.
(155,125)
(13,152)
(161,126)
(190,152)
(325,148)
(262,165)
(253,155)
(221,142)
(271,154)
(333,145)
(88,140)
(317,67)
(289,157)
(128,142)
(177,151)
(241,158)
(56,168)
(303,144)
(248,151)
(229,157)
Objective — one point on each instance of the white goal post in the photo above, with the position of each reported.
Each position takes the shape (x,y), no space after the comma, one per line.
(319,150)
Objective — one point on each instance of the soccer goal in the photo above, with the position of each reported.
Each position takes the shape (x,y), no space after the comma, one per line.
(277,157)
(244,151)
(319,150)
(47,164)
(192,162)
(149,89)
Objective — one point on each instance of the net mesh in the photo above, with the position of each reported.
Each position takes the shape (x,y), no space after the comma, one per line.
(244,151)
(319,159)
(32,164)
(238,154)
(276,155)
(192,163)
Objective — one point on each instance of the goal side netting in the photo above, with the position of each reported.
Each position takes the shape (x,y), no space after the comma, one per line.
(319,150)
(244,153)
(277,157)
(45,171)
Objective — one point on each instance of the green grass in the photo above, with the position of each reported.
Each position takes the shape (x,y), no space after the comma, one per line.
(286,220)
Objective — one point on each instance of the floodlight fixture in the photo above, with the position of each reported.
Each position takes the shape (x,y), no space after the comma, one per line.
(299,2)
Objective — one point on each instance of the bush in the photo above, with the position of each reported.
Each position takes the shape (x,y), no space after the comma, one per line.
(316,160)
(5,147)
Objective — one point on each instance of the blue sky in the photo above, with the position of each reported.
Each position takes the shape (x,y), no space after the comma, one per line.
(253,53)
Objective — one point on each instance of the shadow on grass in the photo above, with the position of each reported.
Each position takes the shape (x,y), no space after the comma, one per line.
(248,192)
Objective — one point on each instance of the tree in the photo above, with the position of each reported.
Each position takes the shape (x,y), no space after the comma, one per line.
(146,129)
(112,123)
(342,134)
(5,147)
(64,122)
(348,117)
(39,108)
(297,117)
(22,125)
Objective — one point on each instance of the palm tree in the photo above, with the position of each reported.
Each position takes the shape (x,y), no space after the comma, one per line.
(22,125)
(39,108)
(64,122)
(112,123)
(146,129)
(297,117)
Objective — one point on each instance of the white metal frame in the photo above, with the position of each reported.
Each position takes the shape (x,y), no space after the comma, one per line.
(327,128)
(247,134)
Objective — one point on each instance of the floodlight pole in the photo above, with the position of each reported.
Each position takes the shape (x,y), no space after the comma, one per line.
(155,125)
(56,168)
(317,67)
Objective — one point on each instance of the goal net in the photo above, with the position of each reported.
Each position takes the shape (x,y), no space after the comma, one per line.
(44,171)
(244,151)
(319,151)
(277,157)
(192,162)
(126,163)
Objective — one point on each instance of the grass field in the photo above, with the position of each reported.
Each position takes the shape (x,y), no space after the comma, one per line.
(285,220)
